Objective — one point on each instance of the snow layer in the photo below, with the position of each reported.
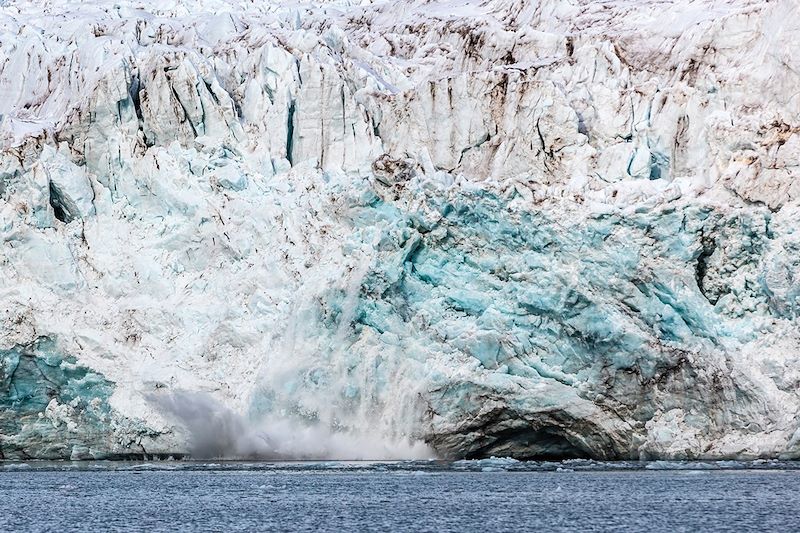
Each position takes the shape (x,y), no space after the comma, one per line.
(528,229)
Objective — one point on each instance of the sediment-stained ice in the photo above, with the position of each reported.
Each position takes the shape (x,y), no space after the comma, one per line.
(461,228)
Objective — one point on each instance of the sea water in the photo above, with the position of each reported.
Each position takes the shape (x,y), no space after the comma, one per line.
(489,495)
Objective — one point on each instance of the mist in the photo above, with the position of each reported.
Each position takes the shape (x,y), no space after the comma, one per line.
(214,431)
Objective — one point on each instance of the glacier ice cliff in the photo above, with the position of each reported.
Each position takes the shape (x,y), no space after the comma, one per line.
(389,229)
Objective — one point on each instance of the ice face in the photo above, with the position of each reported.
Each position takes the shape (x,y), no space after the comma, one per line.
(54,408)
(493,229)
(540,333)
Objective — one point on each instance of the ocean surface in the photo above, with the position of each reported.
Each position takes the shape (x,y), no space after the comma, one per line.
(488,495)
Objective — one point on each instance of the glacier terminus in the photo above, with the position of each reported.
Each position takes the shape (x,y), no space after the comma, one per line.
(400,229)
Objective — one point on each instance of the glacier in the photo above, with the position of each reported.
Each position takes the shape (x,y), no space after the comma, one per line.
(361,230)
